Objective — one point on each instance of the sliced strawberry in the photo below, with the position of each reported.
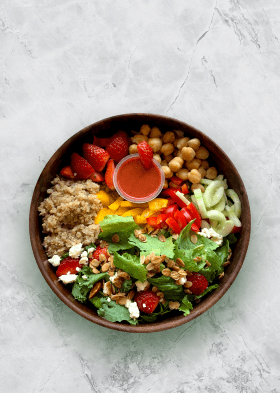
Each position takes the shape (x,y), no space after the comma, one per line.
(109,174)
(199,283)
(146,154)
(97,177)
(147,301)
(118,146)
(98,251)
(81,167)
(101,142)
(67,172)
(68,265)
(96,156)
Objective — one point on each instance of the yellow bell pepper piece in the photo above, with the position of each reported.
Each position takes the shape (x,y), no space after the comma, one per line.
(139,219)
(132,204)
(114,206)
(157,204)
(121,211)
(147,213)
(101,215)
(104,198)
(133,212)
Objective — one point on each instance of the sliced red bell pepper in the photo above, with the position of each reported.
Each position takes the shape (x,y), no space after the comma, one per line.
(236,229)
(180,218)
(170,201)
(173,225)
(161,218)
(153,222)
(172,194)
(185,189)
(176,180)
(166,192)
(189,218)
(195,214)
(170,210)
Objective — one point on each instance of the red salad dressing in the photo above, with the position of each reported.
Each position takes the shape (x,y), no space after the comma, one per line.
(136,182)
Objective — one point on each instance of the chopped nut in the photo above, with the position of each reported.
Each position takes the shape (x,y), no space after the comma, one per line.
(94,270)
(154,289)
(170,264)
(194,239)
(124,275)
(188,291)
(96,288)
(174,305)
(176,268)
(118,283)
(166,272)
(197,259)
(221,275)
(111,273)
(122,301)
(207,263)
(142,259)
(226,263)
(137,232)
(115,238)
(102,258)
(180,262)
(160,294)
(175,275)
(142,238)
(150,266)
(130,295)
(105,267)
(188,284)
(151,273)
(162,300)
(161,238)
(107,288)
(94,263)
(104,244)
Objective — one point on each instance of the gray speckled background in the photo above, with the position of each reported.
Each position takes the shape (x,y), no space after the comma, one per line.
(66,64)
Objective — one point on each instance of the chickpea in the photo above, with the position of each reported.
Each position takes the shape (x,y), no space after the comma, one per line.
(202,153)
(183,174)
(194,176)
(202,171)
(133,149)
(167,149)
(179,133)
(145,129)
(194,164)
(182,142)
(188,154)
(139,138)
(194,143)
(168,158)
(168,137)
(165,184)
(211,173)
(205,164)
(155,133)
(157,157)
(155,144)
(176,164)
(167,172)
(197,186)
(164,163)
(175,142)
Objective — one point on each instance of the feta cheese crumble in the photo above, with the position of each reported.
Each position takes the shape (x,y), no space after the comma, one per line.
(141,286)
(68,278)
(75,251)
(211,234)
(134,310)
(55,260)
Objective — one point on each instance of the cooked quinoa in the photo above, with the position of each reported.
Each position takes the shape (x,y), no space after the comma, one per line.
(68,215)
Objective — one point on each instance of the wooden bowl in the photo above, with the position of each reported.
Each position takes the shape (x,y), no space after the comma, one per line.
(106,127)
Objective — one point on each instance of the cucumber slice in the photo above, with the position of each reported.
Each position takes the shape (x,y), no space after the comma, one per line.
(216,215)
(235,198)
(200,203)
(209,197)
(225,228)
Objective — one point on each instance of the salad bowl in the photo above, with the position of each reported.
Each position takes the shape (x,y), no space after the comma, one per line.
(104,128)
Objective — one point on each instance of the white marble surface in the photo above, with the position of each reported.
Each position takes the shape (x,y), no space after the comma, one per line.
(212,63)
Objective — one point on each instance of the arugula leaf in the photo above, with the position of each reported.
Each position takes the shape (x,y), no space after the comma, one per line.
(114,312)
(153,244)
(130,264)
(185,306)
(82,287)
(167,285)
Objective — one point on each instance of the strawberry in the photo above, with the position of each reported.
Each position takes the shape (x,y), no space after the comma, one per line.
(118,146)
(96,156)
(146,154)
(97,177)
(147,301)
(68,265)
(98,251)
(67,172)
(80,166)
(109,174)
(101,142)
(199,283)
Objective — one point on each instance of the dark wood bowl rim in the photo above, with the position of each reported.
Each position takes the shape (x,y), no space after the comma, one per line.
(172,322)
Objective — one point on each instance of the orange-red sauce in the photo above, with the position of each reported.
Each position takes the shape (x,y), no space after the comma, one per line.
(137,182)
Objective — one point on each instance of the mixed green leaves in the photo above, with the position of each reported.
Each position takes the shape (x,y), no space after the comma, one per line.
(130,264)
(85,281)
(114,312)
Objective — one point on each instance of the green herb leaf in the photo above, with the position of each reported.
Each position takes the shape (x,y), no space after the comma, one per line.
(114,312)
(185,306)
(207,290)
(82,287)
(153,244)
(167,285)
(111,225)
(130,264)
